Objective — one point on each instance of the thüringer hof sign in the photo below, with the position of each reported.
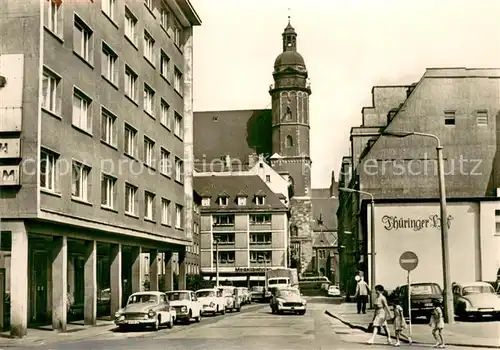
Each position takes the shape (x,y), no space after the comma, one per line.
(415,223)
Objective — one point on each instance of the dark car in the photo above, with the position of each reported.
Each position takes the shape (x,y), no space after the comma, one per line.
(422,295)
(257,293)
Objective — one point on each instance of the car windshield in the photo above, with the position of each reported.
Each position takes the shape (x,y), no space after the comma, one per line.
(278,281)
(142,298)
(332,288)
(205,293)
(425,289)
(287,292)
(257,289)
(478,290)
(171,296)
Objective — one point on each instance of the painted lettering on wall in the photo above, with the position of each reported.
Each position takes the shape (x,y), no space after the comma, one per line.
(416,224)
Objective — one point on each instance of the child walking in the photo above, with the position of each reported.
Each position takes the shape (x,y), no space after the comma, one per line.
(437,324)
(399,322)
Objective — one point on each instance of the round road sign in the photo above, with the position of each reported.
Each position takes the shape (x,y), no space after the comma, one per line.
(408,261)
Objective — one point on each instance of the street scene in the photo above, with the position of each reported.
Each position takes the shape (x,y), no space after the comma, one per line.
(223,174)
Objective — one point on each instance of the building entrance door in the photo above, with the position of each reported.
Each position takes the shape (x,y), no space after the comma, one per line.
(39,290)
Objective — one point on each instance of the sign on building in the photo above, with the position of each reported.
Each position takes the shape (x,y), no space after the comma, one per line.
(11,92)
(9,175)
(10,148)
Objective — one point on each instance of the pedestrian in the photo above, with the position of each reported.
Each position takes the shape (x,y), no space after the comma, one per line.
(437,324)
(399,322)
(361,295)
(381,315)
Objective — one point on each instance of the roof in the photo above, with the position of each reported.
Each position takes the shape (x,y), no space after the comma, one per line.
(324,210)
(473,284)
(237,133)
(148,293)
(178,291)
(189,12)
(326,240)
(233,185)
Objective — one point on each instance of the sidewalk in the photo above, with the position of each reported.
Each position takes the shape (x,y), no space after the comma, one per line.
(471,334)
(45,335)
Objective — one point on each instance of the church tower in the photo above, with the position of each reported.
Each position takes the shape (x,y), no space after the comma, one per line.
(290,143)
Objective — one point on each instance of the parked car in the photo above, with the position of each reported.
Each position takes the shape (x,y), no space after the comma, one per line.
(186,305)
(245,295)
(212,301)
(422,295)
(257,293)
(146,309)
(475,299)
(287,300)
(233,299)
(333,291)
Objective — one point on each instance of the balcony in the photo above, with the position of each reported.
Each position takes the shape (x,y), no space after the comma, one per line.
(261,245)
(261,264)
(225,263)
(224,245)
(223,227)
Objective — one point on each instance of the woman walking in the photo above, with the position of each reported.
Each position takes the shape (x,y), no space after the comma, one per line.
(382,314)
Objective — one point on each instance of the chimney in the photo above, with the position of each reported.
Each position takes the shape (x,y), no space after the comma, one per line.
(332,185)
(251,160)
(228,162)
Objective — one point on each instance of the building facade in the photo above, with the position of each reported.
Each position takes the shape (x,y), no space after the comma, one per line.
(96,110)
(460,107)
(246,223)
(193,251)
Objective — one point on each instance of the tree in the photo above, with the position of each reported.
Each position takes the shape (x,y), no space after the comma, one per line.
(196,282)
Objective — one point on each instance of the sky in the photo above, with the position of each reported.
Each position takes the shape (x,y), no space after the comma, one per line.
(348,46)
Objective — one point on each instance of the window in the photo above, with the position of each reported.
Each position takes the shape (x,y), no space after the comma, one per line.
(449,118)
(177,34)
(164,62)
(164,114)
(130,199)
(130,26)
(259,219)
(224,238)
(205,202)
(223,220)
(80,181)
(262,257)
(165,14)
(108,127)
(149,96)
(321,254)
(178,216)
(149,4)
(178,170)
(130,83)
(178,81)
(149,44)
(166,218)
(289,141)
(130,140)
(242,200)
(109,8)
(53,20)
(82,113)
(149,151)
(482,118)
(261,238)
(108,191)
(260,200)
(48,170)
(51,92)
(268,178)
(82,40)
(165,167)
(109,68)
(223,200)
(178,125)
(225,257)
(149,207)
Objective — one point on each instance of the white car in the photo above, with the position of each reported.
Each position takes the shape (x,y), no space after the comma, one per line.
(212,301)
(186,305)
(475,299)
(146,309)
(232,303)
(333,291)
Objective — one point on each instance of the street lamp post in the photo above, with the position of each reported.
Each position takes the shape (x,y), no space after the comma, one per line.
(449,315)
(217,263)
(372,240)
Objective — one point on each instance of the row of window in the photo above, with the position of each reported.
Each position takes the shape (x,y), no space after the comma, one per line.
(192,269)
(227,257)
(241,200)
(228,219)
(81,185)
(255,238)
(481,117)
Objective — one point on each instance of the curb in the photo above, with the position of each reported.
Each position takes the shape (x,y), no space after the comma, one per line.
(365,329)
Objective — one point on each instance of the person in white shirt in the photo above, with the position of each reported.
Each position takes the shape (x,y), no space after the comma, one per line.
(361,295)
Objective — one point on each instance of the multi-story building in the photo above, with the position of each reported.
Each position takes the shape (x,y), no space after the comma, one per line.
(228,142)
(193,251)
(96,110)
(246,222)
(460,107)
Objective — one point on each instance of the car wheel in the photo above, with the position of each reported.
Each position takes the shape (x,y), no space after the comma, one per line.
(190,317)
(238,309)
(156,325)
(216,312)
(122,328)
(198,319)
(302,312)
(223,311)
(171,323)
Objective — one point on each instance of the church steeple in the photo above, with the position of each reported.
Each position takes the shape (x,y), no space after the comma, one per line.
(289,38)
